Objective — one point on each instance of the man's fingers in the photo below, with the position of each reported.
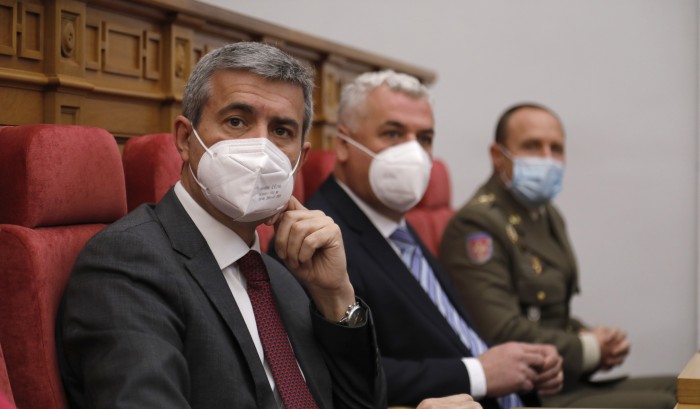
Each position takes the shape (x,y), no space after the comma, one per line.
(286,222)
(304,235)
(295,204)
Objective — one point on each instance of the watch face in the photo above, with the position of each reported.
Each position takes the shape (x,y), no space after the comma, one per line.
(357,317)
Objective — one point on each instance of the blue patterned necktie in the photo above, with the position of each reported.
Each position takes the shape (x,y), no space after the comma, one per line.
(412,256)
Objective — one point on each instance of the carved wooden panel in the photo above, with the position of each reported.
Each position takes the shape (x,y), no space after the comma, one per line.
(93,44)
(8,27)
(153,55)
(32,31)
(122,65)
(122,50)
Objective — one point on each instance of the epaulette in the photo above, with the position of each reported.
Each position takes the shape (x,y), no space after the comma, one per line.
(483,199)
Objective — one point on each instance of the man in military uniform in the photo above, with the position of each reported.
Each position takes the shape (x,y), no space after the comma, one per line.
(509,256)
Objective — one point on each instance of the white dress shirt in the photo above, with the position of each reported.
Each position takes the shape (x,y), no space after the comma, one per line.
(228,248)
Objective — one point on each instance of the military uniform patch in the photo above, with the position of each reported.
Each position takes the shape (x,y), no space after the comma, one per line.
(479,247)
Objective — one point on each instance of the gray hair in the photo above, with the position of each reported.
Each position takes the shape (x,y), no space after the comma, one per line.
(355,92)
(264,60)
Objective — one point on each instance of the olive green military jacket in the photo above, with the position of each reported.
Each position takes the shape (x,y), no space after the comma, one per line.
(515,272)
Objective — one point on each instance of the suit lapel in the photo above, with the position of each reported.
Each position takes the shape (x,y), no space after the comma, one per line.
(378,249)
(201,264)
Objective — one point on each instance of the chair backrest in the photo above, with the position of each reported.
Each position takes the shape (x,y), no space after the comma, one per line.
(5,388)
(60,186)
(430,216)
(6,403)
(152,166)
(319,164)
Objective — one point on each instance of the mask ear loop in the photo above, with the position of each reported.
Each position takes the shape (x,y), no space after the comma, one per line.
(356,144)
(296,165)
(190,165)
(501,174)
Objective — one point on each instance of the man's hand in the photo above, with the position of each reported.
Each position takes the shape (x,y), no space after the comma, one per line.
(510,367)
(550,378)
(614,346)
(311,246)
(462,401)
(520,367)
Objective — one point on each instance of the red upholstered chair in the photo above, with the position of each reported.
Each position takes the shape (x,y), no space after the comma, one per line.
(319,164)
(430,216)
(5,403)
(5,389)
(60,186)
(151,166)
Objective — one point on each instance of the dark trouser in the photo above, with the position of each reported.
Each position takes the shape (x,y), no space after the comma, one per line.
(652,392)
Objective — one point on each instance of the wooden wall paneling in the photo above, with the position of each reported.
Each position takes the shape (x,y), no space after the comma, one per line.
(65,27)
(21,106)
(8,27)
(122,64)
(31,44)
(122,50)
(123,116)
(178,60)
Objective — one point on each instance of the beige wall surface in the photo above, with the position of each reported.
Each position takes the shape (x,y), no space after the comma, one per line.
(622,74)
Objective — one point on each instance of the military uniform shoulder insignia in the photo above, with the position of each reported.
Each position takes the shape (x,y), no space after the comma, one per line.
(485,198)
(479,247)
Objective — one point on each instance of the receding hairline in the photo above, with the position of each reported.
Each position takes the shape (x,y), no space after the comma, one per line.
(504,122)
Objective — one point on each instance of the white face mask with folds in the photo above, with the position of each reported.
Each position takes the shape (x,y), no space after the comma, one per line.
(398,175)
(246,179)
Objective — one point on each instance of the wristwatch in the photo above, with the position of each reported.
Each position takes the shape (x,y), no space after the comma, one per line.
(355,316)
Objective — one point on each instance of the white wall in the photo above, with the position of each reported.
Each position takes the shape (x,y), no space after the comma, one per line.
(622,74)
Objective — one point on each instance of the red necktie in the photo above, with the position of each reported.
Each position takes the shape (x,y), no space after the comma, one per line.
(278,351)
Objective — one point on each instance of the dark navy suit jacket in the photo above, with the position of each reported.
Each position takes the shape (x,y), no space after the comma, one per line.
(421,353)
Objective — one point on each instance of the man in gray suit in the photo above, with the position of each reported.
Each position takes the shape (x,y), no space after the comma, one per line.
(174,307)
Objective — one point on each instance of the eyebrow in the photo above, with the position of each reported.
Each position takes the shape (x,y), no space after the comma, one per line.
(286,121)
(249,109)
(237,106)
(398,124)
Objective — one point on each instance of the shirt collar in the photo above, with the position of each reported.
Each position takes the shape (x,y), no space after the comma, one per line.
(385,225)
(224,243)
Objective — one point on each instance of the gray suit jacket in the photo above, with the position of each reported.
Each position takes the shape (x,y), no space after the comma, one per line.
(148,320)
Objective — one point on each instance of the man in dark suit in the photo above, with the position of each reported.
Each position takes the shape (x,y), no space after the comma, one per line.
(173,307)
(383,150)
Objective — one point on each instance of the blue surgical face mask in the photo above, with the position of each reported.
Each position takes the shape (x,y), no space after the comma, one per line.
(536,180)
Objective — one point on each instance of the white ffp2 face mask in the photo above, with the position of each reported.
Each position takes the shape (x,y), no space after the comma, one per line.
(246,179)
(398,175)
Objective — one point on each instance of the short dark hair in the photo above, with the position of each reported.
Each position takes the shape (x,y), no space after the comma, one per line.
(502,126)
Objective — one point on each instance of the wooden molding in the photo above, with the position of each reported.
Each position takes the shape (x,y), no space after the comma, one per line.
(122,64)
